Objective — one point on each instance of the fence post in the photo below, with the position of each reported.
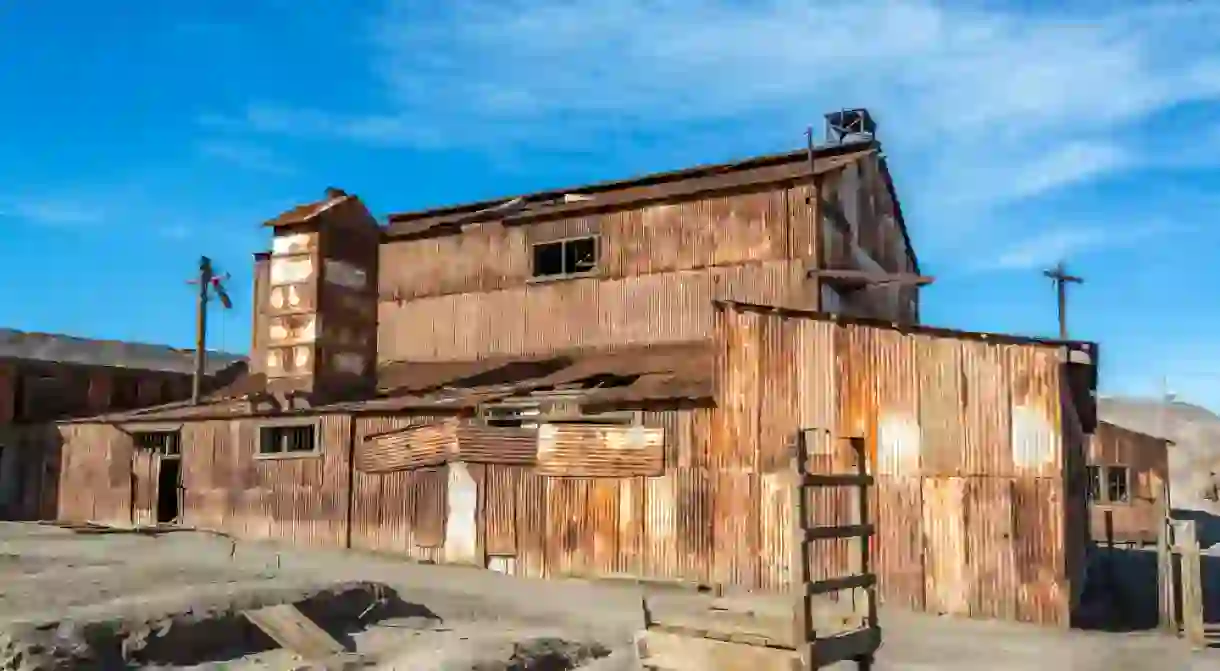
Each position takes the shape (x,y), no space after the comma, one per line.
(1166,581)
(1187,542)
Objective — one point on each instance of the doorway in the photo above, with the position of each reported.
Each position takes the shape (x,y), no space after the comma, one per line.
(169,486)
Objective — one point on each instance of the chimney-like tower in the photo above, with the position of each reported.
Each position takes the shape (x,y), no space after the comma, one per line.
(316,321)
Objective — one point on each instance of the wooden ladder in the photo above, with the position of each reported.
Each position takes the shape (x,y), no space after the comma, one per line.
(861,644)
(744,634)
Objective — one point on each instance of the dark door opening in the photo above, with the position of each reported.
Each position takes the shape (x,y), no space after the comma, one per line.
(168,482)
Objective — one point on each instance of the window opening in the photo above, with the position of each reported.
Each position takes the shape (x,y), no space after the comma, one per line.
(282,440)
(577,256)
(1118,484)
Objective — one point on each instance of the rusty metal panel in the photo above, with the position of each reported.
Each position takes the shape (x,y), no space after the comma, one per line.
(145,467)
(497,444)
(1043,596)
(945,559)
(730,229)
(599,450)
(735,529)
(651,309)
(990,556)
(428,445)
(1037,438)
(569,536)
(803,217)
(661,527)
(500,509)
(735,426)
(857,364)
(898,550)
(483,258)
(693,512)
(898,439)
(775,533)
(533,515)
(778,400)
(631,527)
(817,374)
(942,397)
(989,425)
(602,552)
(431,506)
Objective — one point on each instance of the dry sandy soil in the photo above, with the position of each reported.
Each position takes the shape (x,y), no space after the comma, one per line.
(87,601)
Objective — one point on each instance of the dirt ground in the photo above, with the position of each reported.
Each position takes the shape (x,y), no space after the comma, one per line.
(66,590)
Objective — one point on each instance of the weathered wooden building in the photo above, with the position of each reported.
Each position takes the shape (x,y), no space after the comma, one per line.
(606,380)
(1128,485)
(44,377)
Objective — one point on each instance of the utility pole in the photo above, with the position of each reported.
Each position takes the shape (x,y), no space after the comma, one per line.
(1061,278)
(208,281)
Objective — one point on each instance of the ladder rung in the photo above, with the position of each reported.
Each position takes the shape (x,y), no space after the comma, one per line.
(836,584)
(844,531)
(824,480)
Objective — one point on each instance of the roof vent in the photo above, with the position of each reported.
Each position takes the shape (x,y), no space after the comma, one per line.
(850,125)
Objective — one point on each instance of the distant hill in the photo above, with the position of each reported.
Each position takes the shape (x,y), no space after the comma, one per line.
(1195,432)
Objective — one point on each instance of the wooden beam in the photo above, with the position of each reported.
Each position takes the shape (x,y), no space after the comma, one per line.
(851,278)
(289,627)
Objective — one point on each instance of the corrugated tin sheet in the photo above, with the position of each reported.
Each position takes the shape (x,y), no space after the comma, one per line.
(428,445)
(500,508)
(497,444)
(600,450)
(649,309)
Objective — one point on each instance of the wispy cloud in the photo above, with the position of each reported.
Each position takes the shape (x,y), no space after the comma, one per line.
(244,155)
(1055,245)
(55,211)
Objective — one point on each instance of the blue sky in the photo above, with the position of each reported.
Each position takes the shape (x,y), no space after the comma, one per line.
(137,140)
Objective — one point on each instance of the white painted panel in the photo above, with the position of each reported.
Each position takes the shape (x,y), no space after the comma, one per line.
(345,274)
(502,564)
(1034,439)
(461,538)
(898,440)
(291,270)
(297,243)
(349,362)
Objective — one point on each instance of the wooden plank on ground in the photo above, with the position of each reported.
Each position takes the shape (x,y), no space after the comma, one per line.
(293,631)
(672,652)
(845,647)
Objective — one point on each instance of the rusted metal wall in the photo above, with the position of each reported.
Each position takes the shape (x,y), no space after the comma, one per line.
(658,268)
(599,450)
(95,484)
(648,309)
(1147,460)
(965,438)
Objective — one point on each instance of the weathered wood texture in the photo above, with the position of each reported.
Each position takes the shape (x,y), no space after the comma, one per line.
(1146,459)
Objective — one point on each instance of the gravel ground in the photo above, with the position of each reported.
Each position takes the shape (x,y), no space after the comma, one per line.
(464,618)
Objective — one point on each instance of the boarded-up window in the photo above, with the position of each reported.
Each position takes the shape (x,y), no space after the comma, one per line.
(414,447)
(600,450)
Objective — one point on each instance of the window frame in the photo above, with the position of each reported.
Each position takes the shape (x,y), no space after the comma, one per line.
(1095,483)
(563,243)
(280,424)
(152,430)
(1126,473)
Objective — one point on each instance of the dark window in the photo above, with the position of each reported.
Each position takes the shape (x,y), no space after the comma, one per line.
(292,439)
(577,256)
(1117,484)
(166,443)
(1094,491)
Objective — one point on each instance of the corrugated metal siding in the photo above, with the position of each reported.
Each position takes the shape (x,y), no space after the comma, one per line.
(720,230)
(497,444)
(500,508)
(961,432)
(650,309)
(1147,458)
(96,474)
(599,450)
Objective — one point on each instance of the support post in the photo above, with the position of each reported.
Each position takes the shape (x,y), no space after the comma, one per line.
(201,328)
(1187,542)
(1061,278)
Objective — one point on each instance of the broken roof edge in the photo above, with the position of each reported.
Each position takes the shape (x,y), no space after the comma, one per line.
(1087,346)
(649,179)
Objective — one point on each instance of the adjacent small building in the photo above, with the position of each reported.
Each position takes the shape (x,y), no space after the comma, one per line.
(46,377)
(1128,485)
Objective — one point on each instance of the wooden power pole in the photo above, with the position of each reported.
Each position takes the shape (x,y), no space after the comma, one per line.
(1061,278)
(208,282)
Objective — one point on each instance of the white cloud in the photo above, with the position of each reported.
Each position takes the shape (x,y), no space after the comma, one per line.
(55,211)
(250,157)
(1051,246)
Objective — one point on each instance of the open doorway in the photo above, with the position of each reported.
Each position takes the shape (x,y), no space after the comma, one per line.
(168,487)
